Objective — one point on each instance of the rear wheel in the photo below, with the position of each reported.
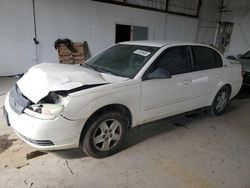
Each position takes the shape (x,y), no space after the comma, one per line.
(220,102)
(105,134)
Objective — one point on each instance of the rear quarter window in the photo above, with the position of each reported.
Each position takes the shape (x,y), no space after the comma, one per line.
(205,58)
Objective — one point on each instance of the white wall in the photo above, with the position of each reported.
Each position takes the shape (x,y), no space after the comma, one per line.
(240,39)
(80,20)
(180,28)
(95,23)
(17,51)
(91,21)
(240,16)
(208,20)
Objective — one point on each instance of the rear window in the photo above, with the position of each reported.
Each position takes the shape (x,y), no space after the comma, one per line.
(205,58)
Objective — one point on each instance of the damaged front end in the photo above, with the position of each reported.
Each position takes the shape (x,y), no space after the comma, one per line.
(47,108)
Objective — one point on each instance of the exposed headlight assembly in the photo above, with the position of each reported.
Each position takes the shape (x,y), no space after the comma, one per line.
(48,108)
(45,111)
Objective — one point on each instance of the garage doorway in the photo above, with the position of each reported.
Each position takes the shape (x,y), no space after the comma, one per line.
(130,33)
(123,33)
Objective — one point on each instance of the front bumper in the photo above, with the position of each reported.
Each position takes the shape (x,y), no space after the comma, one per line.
(56,134)
(6,116)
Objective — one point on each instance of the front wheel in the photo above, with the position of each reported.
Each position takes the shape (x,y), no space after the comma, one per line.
(220,102)
(105,135)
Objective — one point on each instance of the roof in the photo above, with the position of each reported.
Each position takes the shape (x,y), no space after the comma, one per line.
(156,43)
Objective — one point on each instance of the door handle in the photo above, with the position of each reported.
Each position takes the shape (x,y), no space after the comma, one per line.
(187,81)
(217,75)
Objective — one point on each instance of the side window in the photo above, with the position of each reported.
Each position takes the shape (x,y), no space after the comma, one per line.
(205,58)
(175,60)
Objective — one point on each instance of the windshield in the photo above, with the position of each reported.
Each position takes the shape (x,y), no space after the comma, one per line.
(246,55)
(122,60)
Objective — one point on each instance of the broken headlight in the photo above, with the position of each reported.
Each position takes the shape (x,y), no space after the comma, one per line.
(48,108)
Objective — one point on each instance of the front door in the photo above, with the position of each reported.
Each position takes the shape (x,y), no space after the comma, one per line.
(169,96)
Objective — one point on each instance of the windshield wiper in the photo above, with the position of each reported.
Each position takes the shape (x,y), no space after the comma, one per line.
(98,69)
(102,70)
(94,68)
(87,66)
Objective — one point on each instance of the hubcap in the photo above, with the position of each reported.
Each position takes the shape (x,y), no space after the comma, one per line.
(221,101)
(107,135)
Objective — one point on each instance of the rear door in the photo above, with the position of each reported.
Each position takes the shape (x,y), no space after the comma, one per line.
(206,75)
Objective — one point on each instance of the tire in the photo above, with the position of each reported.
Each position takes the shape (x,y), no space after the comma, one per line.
(220,102)
(105,134)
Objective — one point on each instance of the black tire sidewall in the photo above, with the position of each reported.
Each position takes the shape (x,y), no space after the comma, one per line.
(88,145)
(214,111)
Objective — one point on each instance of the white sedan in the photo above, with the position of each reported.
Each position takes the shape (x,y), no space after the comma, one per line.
(55,106)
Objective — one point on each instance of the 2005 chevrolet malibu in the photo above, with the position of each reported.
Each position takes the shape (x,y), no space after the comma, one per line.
(55,106)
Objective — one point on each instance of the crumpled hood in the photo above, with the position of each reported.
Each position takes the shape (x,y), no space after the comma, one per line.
(44,78)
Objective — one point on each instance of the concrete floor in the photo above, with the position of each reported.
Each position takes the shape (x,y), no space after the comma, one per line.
(195,151)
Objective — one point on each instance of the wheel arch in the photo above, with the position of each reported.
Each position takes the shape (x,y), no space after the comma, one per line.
(229,87)
(220,86)
(124,110)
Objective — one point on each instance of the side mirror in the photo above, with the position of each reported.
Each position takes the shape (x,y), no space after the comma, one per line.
(239,56)
(159,73)
(231,57)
